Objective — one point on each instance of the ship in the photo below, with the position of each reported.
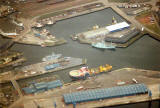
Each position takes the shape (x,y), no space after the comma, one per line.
(53,56)
(74,37)
(103,45)
(85,72)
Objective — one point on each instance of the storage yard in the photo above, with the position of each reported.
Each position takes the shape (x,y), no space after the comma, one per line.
(137,92)
(8,95)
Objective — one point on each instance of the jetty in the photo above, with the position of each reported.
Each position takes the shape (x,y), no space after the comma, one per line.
(40,68)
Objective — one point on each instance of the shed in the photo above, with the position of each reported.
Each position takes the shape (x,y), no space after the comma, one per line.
(117,27)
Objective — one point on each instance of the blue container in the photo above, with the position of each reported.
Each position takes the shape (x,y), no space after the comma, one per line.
(42,86)
(29,90)
(52,66)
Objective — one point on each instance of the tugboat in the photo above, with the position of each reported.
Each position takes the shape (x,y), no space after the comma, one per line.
(103,45)
(85,72)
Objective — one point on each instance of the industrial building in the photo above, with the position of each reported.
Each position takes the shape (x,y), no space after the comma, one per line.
(123,38)
(117,27)
(105,30)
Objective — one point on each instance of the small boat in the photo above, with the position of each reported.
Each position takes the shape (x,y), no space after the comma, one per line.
(103,45)
(39,25)
(50,22)
(74,37)
(85,72)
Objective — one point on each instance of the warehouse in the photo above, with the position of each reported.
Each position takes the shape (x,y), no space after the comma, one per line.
(126,37)
(117,27)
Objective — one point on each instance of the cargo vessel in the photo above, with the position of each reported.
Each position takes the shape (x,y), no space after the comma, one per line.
(85,72)
(103,45)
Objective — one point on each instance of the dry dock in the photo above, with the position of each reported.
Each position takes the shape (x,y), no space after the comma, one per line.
(148,77)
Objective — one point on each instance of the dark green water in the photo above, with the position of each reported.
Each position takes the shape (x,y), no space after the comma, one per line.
(144,53)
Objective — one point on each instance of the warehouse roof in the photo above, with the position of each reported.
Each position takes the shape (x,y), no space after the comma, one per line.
(117,26)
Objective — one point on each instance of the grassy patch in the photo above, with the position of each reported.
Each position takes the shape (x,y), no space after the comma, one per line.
(51,14)
(143,14)
(154,28)
(142,18)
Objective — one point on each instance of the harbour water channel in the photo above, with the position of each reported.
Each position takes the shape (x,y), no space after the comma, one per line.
(144,53)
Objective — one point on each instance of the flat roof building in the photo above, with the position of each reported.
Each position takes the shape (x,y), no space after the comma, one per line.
(117,27)
(105,30)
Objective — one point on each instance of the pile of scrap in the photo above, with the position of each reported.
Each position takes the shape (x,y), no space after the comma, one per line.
(6,10)
(11,59)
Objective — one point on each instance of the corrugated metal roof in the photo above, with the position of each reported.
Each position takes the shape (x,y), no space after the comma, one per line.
(42,86)
(96,94)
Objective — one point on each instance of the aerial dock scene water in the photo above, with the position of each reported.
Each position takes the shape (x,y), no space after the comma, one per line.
(120,66)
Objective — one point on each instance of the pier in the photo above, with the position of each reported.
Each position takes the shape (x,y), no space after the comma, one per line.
(38,69)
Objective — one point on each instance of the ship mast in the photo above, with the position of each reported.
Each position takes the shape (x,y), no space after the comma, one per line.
(114,21)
